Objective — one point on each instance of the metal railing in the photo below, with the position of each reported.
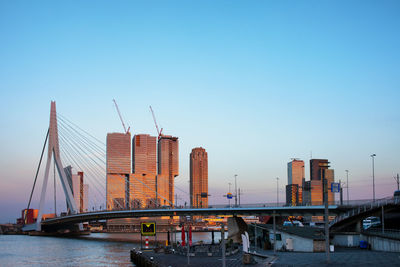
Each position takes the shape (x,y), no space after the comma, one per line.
(366,207)
(392,233)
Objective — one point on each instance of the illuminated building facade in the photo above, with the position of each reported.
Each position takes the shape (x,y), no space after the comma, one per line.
(118,170)
(292,195)
(295,177)
(168,169)
(144,168)
(319,171)
(80,192)
(199,178)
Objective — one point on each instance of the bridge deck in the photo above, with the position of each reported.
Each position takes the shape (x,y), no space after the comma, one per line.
(240,211)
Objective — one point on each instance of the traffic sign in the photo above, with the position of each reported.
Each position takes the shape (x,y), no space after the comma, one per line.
(335,187)
(229,196)
(148,229)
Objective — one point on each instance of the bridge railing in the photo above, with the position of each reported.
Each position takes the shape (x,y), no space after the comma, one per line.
(366,207)
(393,233)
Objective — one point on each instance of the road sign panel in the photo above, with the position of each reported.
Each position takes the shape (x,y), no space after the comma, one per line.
(148,229)
(335,187)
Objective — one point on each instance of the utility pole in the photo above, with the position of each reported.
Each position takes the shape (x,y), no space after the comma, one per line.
(236,192)
(239,196)
(277,191)
(341,192)
(223,244)
(373,176)
(274,222)
(347,181)
(326,217)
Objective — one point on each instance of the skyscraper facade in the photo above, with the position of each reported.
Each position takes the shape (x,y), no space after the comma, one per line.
(295,177)
(319,171)
(295,172)
(168,169)
(199,178)
(316,168)
(292,195)
(144,172)
(118,170)
(80,192)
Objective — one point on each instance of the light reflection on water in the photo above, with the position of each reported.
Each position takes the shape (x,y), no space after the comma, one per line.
(98,249)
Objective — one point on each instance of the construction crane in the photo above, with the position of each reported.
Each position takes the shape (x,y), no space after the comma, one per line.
(155,122)
(119,114)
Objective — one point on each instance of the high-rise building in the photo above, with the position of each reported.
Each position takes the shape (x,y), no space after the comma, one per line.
(319,171)
(199,178)
(316,168)
(295,177)
(144,167)
(295,172)
(292,194)
(80,192)
(168,169)
(306,193)
(330,177)
(118,170)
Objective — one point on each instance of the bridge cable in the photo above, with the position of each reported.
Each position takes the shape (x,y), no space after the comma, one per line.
(92,143)
(37,172)
(71,159)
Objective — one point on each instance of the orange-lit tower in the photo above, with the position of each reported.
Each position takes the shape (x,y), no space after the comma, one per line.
(319,171)
(295,181)
(199,178)
(144,171)
(118,170)
(168,169)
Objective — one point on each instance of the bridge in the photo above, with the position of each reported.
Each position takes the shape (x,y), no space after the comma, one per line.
(74,143)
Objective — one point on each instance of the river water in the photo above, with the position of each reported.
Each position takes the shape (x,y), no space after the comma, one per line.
(97,249)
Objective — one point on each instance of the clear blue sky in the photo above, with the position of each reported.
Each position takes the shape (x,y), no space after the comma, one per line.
(254,82)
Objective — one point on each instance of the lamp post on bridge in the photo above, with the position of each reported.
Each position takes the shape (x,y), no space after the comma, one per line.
(373,176)
(347,181)
(236,192)
(277,191)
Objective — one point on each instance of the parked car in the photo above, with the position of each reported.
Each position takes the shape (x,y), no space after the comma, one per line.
(287,223)
(371,222)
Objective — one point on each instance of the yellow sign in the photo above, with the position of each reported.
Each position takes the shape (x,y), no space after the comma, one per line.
(148,229)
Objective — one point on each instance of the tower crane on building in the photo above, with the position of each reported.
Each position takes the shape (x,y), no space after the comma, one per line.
(155,122)
(120,117)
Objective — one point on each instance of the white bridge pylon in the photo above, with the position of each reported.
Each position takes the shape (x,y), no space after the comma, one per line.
(54,150)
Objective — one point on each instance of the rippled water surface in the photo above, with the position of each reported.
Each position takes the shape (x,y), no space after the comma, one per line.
(95,250)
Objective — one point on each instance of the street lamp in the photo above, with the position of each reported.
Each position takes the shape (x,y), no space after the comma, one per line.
(373,176)
(347,174)
(277,191)
(236,192)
